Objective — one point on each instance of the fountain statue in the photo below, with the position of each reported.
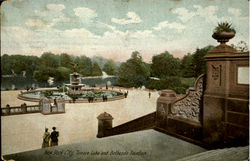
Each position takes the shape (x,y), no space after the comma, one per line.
(75,82)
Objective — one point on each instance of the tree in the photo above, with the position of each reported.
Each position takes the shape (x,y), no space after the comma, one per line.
(43,74)
(62,73)
(164,65)
(198,61)
(85,66)
(134,72)
(19,63)
(241,46)
(49,59)
(96,70)
(186,65)
(66,61)
(109,67)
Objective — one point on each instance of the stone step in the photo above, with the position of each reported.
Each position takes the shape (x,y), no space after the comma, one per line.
(232,154)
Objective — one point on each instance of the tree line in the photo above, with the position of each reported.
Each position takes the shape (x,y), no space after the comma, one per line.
(53,65)
(168,70)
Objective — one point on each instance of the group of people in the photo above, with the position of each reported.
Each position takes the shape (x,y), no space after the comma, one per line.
(50,139)
(104,98)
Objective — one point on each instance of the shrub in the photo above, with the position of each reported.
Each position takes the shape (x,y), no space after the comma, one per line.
(224,27)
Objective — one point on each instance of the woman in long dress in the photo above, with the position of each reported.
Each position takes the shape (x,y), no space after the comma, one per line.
(46,138)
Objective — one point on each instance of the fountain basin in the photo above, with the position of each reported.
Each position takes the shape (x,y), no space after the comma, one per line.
(51,94)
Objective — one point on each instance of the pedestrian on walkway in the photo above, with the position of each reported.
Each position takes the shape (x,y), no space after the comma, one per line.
(54,137)
(46,138)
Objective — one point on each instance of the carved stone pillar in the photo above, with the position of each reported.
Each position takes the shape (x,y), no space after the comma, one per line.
(7,109)
(164,103)
(104,123)
(225,106)
(24,108)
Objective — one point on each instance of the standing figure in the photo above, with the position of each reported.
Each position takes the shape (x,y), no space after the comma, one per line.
(149,94)
(125,94)
(46,138)
(54,137)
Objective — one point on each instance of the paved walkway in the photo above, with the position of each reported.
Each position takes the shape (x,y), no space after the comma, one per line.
(148,145)
(79,123)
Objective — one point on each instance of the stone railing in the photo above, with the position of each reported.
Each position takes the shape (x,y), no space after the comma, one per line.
(182,117)
(23,109)
(189,106)
(45,107)
(142,123)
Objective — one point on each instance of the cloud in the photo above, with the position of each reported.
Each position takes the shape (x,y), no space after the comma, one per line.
(173,25)
(55,7)
(106,25)
(48,18)
(132,18)
(234,11)
(184,14)
(85,13)
(36,23)
(208,13)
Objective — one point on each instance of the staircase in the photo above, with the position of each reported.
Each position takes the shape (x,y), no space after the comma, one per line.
(227,154)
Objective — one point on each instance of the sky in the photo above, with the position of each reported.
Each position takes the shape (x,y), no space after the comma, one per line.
(115,28)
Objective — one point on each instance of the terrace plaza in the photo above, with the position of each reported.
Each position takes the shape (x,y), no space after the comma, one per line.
(209,122)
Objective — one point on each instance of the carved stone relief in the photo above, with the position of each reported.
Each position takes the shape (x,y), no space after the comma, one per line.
(189,106)
(161,112)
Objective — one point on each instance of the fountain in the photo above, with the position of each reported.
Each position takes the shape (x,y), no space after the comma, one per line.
(75,92)
(75,86)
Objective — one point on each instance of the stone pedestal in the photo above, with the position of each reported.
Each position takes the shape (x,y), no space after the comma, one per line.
(104,123)
(7,109)
(164,103)
(226,98)
(60,104)
(45,106)
(24,108)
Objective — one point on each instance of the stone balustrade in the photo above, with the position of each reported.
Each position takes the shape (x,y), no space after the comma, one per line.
(23,109)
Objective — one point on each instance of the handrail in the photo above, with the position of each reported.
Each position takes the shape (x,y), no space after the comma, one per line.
(142,123)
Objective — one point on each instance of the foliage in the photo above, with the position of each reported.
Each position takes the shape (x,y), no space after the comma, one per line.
(173,83)
(62,89)
(241,46)
(96,70)
(109,68)
(188,81)
(165,64)
(50,60)
(224,27)
(198,61)
(18,63)
(43,74)
(62,73)
(84,65)
(186,66)
(134,72)
(48,93)
(66,61)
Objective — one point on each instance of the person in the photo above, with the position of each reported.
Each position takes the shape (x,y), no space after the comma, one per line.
(54,137)
(46,138)
(149,94)
(55,103)
(125,94)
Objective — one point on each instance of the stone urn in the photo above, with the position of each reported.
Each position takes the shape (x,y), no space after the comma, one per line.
(223,37)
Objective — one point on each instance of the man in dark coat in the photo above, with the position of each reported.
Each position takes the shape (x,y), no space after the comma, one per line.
(54,137)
